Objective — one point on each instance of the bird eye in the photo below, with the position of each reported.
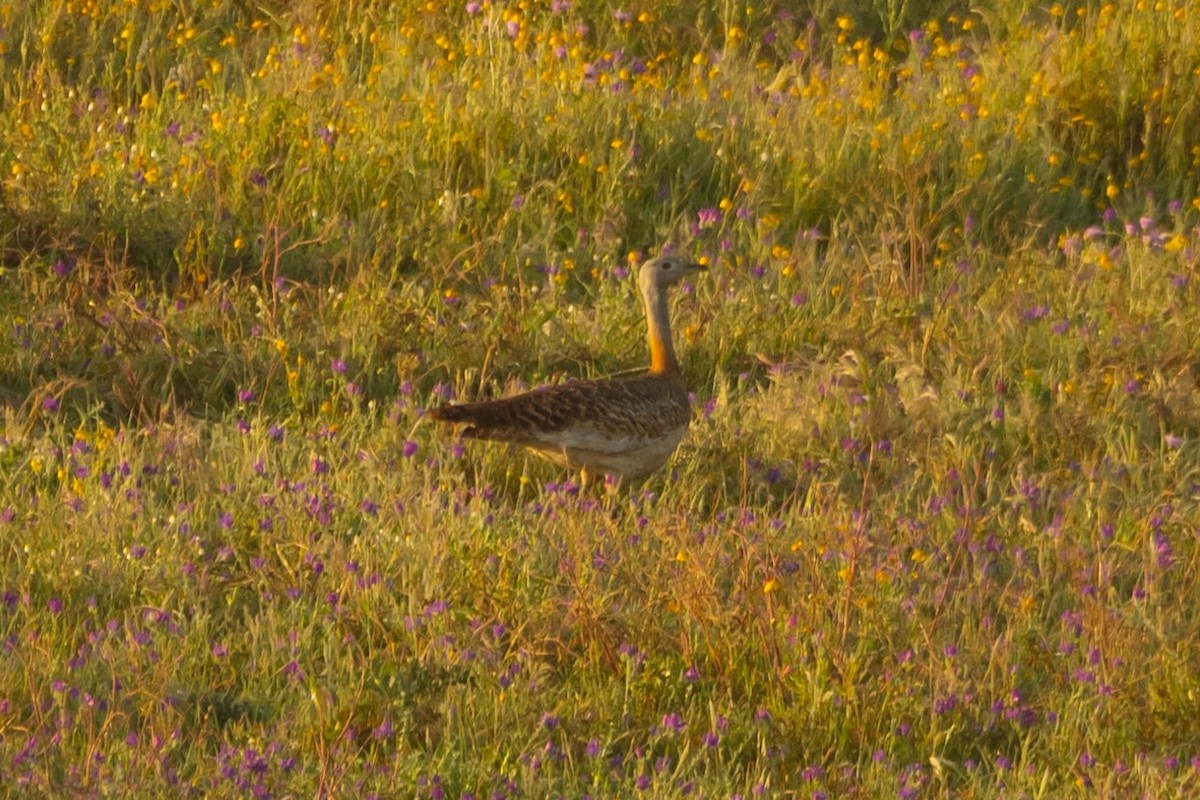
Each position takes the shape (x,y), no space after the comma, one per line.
(667,265)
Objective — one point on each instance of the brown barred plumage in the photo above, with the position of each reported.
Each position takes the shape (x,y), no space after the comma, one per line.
(626,425)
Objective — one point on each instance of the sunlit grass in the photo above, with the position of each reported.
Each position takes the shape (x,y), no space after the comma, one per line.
(933,530)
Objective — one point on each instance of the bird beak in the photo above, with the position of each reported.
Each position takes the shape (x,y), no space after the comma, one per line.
(698,267)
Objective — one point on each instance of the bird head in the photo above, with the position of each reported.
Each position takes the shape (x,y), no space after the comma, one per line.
(663,271)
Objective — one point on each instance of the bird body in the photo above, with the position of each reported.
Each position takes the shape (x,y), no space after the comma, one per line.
(626,425)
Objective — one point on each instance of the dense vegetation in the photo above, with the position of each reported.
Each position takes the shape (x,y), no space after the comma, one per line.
(935,530)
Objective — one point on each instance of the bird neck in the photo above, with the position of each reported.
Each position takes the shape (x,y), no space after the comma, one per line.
(658,332)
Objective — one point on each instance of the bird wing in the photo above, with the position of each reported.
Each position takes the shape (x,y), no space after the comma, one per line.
(609,415)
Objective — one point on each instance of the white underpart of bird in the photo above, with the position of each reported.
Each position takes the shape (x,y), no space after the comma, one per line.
(626,425)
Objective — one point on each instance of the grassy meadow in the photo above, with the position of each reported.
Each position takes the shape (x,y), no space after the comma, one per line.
(935,529)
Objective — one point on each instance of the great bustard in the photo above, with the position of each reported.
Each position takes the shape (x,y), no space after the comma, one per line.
(625,425)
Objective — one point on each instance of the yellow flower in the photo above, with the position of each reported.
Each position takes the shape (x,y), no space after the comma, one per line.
(1175,243)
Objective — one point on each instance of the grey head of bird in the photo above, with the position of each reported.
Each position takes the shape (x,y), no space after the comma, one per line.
(662,271)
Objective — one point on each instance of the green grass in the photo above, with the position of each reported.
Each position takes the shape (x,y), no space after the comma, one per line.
(933,532)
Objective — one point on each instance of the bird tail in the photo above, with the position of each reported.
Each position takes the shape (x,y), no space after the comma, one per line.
(475,416)
(451,413)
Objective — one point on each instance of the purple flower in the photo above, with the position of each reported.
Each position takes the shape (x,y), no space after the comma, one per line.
(1165,553)
(436,607)
(673,722)
(55,605)
(246,395)
(410,448)
(708,216)
(384,731)
(63,268)
(320,466)
(1035,312)
(945,704)
(338,366)
(50,404)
